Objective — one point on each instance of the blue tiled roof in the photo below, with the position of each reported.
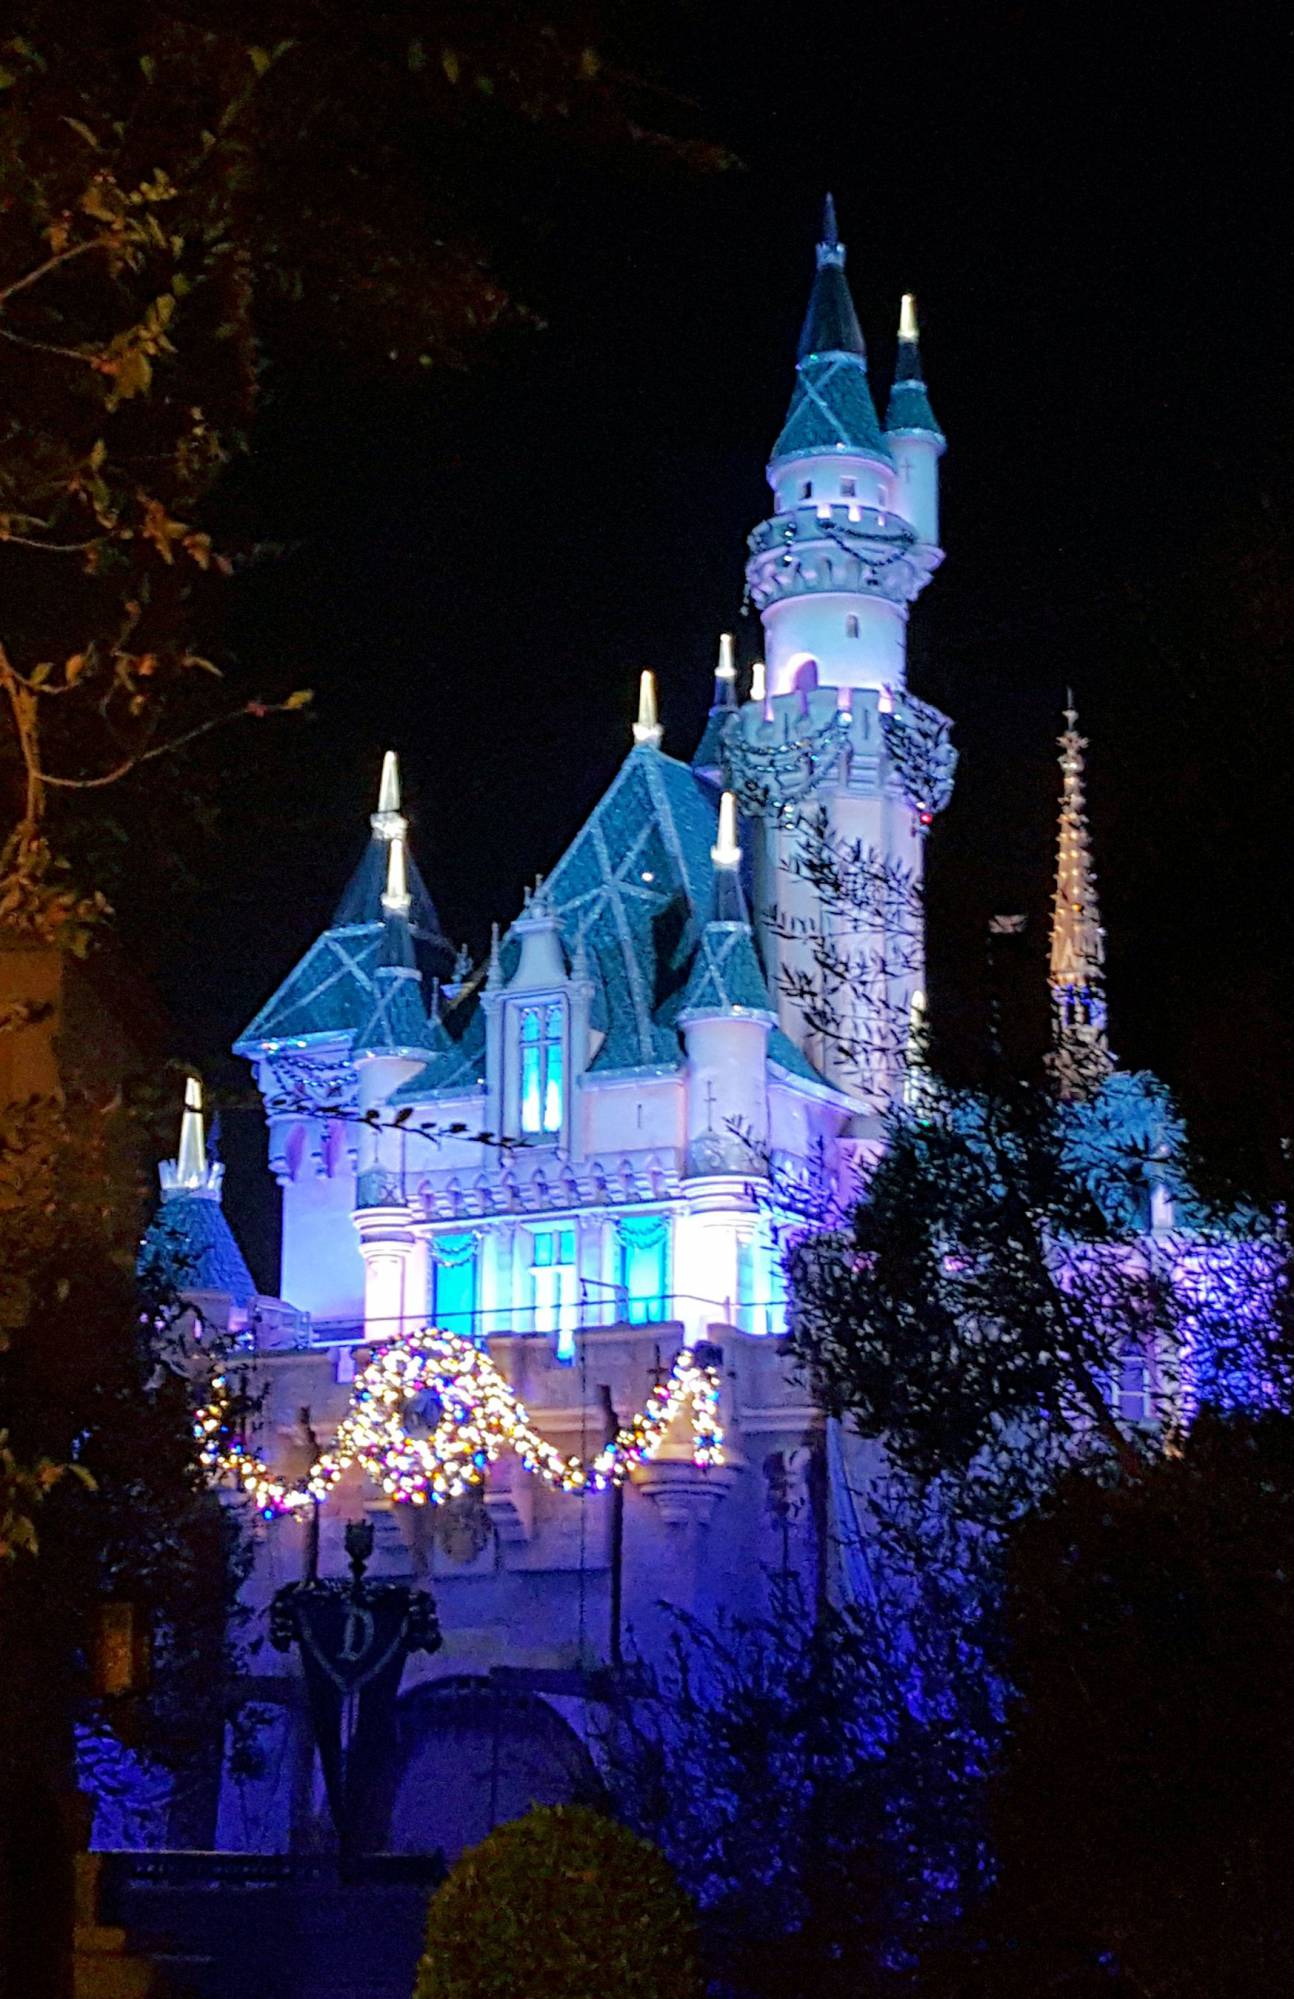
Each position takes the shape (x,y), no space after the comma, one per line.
(831,410)
(726,975)
(454,1066)
(909,406)
(190,1245)
(330,993)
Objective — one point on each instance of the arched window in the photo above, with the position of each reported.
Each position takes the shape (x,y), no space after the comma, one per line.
(806,489)
(804,674)
(542,1068)
(554,1287)
(851,626)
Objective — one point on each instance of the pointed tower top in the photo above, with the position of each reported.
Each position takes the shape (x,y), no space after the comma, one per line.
(758,680)
(190,1172)
(831,324)
(494,968)
(831,408)
(725,672)
(387,822)
(830,249)
(1082,1057)
(708,761)
(647,729)
(726,851)
(909,412)
(395,896)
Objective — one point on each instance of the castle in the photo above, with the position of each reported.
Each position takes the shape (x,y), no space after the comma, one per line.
(586,1153)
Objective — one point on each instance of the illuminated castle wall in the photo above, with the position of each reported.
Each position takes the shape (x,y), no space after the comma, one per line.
(587,1150)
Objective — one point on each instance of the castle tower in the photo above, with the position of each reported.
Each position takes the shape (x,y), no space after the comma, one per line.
(189,1247)
(1081,1058)
(848,547)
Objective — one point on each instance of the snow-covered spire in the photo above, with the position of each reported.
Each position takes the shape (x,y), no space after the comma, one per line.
(1081,1054)
(726,851)
(190,1172)
(647,729)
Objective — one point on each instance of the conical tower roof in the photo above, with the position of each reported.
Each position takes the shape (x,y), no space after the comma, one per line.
(726,977)
(189,1246)
(396,1023)
(831,406)
(909,412)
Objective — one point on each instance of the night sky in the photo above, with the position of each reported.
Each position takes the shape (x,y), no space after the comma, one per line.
(477,567)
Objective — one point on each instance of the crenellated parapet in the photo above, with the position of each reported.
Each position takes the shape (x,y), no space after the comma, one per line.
(784,752)
(838,548)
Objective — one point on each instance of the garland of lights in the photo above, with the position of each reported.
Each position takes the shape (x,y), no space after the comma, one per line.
(472,1416)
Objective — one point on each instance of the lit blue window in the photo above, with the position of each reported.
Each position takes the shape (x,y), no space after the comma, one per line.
(554,1286)
(644,1267)
(761,1287)
(542,1068)
(453,1283)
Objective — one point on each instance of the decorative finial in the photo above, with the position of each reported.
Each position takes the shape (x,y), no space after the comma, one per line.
(462,965)
(830,249)
(727,667)
(647,729)
(190,1172)
(726,851)
(494,970)
(758,681)
(908,317)
(387,822)
(433,1008)
(395,896)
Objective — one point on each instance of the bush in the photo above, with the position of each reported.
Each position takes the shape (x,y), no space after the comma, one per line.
(565,1904)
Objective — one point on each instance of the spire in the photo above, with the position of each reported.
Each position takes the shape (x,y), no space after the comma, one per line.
(725,977)
(395,896)
(708,761)
(831,408)
(397,1020)
(494,968)
(831,324)
(909,410)
(647,729)
(387,822)
(1081,1056)
(189,1172)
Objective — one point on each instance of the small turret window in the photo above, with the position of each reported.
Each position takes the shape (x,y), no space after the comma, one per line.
(851,627)
(542,1067)
(806,490)
(849,489)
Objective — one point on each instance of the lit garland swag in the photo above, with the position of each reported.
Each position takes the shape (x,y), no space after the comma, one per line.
(472,1414)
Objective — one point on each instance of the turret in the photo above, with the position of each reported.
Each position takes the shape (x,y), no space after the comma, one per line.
(708,761)
(190,1247)
(834,568)
(391,1045)
(914,437)
(1081,1058)
(725,1021)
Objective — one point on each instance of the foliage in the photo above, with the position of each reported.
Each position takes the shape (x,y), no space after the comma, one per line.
(563,1902)
(91,1378)
(192,195)
(817,1780)
(979,1306)
(1141,1812)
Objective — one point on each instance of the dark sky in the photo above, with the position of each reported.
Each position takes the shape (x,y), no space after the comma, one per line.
(1086,203)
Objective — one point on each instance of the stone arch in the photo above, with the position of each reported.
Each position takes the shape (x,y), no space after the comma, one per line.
(467,1753)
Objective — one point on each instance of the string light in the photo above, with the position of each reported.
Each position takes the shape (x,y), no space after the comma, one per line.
(477,1417)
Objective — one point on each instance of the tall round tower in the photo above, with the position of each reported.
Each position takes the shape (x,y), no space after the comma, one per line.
(842,767)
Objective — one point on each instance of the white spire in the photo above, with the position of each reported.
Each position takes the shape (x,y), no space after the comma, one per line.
(647,729)
(727,667)
(395,896)
(1082,1057)
(726,851)
(189,1172)
(494,967)
(908,317)
(758,681)
(388,822)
